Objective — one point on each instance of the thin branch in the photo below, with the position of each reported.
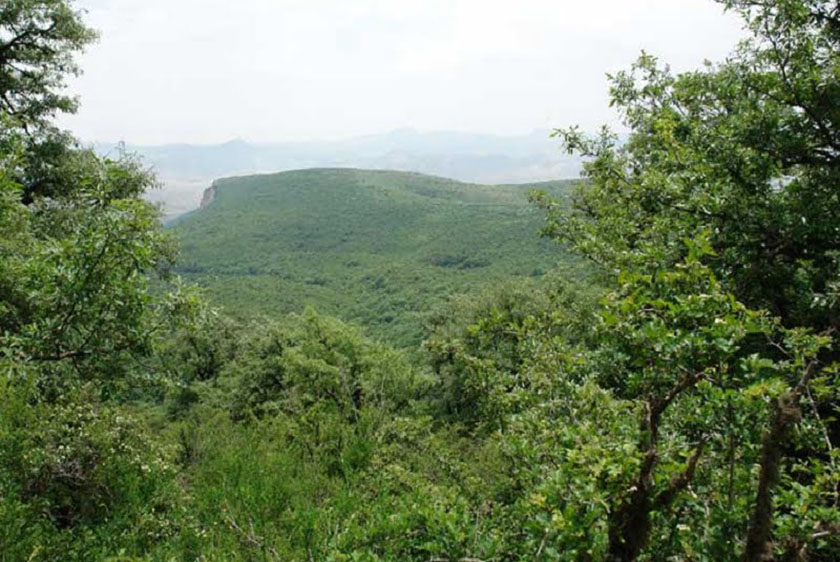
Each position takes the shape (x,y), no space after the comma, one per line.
(250,538)
(680,481)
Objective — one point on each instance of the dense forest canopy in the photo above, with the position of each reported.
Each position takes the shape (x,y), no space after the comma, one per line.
(378,248)
(679,402)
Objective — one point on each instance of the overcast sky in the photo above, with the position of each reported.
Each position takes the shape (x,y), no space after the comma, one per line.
(205,71)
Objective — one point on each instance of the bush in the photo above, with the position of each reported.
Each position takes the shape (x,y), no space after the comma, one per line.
(79,473)
(484,350)
(310,362)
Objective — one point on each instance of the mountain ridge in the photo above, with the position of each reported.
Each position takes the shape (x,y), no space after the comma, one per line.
(186,170)
(379,248)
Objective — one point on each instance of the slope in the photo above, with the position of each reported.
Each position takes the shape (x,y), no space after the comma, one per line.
(380,248)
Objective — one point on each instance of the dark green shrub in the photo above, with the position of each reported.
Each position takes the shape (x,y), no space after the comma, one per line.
(82,473)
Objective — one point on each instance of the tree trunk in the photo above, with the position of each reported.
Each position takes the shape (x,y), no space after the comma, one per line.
(759,547)
(630,527)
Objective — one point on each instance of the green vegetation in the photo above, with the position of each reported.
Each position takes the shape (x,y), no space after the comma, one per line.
(377,248)
(681,405)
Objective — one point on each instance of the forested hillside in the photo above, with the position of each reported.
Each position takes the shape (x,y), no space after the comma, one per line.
(185,170)
(678,402)
(377,248)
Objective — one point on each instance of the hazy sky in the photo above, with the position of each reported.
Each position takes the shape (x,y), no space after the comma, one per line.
(207,71)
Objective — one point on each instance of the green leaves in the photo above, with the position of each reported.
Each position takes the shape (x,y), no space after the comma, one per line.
(39,41)
(719,215)
(500,353)
(79,279)
(746,150)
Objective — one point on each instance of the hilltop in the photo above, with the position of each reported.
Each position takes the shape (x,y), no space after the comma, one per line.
(186,169)
(380,248)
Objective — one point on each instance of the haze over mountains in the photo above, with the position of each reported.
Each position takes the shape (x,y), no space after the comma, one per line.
(187,170)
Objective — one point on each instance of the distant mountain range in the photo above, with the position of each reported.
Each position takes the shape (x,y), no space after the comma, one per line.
(186,170)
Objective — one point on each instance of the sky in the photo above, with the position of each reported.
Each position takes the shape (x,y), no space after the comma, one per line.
(208,71)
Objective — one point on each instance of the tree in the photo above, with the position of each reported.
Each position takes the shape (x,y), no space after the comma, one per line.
(38,40)
(79,243)
(83,294)
(746,152)
(483,348)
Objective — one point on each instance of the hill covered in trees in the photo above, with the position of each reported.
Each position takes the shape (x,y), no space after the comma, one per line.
(378,248)
(185,170)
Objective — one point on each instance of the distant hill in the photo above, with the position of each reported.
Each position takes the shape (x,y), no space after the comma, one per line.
(187,169)
(380,248)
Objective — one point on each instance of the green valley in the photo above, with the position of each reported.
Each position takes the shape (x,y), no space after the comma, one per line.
(379,248)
